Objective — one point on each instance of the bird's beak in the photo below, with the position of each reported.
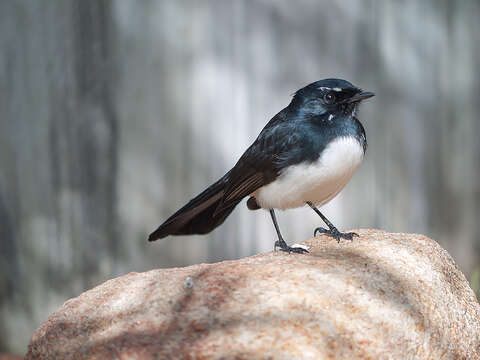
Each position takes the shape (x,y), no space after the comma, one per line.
(360,96)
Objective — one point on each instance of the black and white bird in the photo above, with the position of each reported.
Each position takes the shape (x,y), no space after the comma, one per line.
(305,155)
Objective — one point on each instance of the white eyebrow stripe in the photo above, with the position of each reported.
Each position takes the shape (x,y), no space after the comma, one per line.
(323,88)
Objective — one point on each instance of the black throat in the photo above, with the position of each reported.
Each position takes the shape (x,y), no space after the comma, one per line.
(320,130)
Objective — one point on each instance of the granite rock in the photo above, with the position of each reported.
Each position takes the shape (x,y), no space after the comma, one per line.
(382,296)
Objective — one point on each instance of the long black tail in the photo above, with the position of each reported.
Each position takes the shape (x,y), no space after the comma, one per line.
(198,216)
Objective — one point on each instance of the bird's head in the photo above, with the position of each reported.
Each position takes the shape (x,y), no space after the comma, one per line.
(329,96)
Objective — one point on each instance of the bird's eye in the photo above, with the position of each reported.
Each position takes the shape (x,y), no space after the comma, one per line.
(329,98)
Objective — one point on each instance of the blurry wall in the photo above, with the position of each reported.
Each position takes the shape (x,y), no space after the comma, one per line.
(114,113)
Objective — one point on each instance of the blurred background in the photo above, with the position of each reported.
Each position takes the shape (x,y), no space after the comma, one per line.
(113,114)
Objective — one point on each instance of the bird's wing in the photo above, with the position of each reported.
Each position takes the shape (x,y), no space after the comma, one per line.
(245,177)
(263,161)
(244,186)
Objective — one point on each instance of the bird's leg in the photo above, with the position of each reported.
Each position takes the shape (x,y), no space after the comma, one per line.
(332,231)
(280,242)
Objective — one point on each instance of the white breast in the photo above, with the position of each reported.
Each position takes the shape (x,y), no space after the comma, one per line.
(318,182)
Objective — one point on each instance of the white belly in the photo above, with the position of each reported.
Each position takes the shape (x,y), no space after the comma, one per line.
(318,182)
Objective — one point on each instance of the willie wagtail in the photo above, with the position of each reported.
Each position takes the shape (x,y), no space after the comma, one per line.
(305,155)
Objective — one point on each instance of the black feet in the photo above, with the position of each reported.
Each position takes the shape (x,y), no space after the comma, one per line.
(281,243)
(333,232)
(284,247)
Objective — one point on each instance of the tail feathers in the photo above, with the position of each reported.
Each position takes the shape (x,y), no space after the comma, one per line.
(198,216)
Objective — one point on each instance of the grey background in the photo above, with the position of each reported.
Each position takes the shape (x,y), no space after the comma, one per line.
(114,113)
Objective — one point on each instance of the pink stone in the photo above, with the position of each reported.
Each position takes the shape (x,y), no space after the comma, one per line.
(381,296)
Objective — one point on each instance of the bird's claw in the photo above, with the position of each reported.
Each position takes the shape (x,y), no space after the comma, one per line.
(284,247)
(337,235)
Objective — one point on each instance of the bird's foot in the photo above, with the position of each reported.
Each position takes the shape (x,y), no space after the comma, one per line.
(337,235)
(284,247)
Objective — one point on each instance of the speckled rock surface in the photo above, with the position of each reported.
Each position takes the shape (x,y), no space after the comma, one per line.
(385,296)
